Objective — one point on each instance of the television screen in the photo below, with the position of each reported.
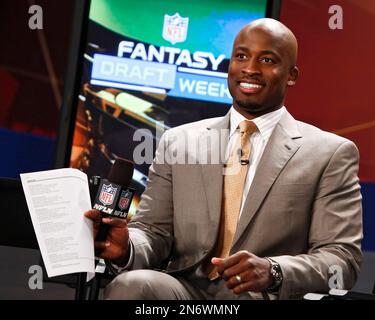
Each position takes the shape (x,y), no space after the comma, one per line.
(150,66)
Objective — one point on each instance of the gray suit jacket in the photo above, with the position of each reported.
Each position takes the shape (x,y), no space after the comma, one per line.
(303,208)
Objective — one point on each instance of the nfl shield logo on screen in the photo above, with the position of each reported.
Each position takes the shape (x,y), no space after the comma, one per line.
(107,195)
(175,28)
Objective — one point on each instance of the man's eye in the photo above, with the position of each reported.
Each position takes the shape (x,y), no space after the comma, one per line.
(240,56)
(267,60)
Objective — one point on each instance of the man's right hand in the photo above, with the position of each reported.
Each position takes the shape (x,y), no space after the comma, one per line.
(116,245)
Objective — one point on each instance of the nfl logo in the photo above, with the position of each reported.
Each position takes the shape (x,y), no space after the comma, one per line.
(107,194)
(175,28)
(124,199)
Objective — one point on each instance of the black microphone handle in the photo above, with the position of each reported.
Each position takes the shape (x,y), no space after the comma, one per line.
(103,229)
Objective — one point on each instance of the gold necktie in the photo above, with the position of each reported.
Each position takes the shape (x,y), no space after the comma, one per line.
(234,180)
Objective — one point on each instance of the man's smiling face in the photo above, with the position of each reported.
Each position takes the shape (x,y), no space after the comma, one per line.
(260,69)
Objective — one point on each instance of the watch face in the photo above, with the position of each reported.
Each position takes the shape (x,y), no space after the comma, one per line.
(276,274)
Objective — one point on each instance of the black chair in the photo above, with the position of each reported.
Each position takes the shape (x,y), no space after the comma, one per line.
(17,228)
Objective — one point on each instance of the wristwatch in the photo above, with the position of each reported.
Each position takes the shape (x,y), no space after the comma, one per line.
(276,275)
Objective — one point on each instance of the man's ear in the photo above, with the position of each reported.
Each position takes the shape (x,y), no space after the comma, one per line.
(293,75)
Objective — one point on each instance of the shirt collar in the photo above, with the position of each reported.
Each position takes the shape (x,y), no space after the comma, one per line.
(265,123)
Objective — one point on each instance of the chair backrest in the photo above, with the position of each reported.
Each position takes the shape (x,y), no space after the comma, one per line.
(17,229)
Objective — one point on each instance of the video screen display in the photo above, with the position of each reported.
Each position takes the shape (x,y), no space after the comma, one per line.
(152,65)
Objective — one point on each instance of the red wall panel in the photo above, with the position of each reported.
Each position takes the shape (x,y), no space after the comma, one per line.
(335,90)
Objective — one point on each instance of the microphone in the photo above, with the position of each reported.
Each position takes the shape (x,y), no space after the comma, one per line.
(113,196)
(244,162)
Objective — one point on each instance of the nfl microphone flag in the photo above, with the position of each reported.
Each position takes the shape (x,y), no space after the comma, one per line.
(113,200)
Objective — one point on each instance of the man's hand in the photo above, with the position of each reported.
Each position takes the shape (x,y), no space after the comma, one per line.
(115,247)
(244,271)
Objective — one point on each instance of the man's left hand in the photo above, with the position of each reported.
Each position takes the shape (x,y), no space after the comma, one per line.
(244,271)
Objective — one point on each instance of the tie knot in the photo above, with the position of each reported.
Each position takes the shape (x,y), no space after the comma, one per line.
(247,127)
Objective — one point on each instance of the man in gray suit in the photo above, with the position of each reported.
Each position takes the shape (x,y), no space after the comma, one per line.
(284,221)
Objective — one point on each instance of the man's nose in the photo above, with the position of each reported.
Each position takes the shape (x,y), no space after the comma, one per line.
(251,67)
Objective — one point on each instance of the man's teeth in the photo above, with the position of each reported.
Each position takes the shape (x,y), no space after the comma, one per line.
(246,85)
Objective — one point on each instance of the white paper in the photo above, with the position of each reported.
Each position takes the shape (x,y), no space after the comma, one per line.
(57,200)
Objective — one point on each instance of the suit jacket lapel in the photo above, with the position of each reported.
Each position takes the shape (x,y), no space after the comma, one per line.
(280,148)
(212,173)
